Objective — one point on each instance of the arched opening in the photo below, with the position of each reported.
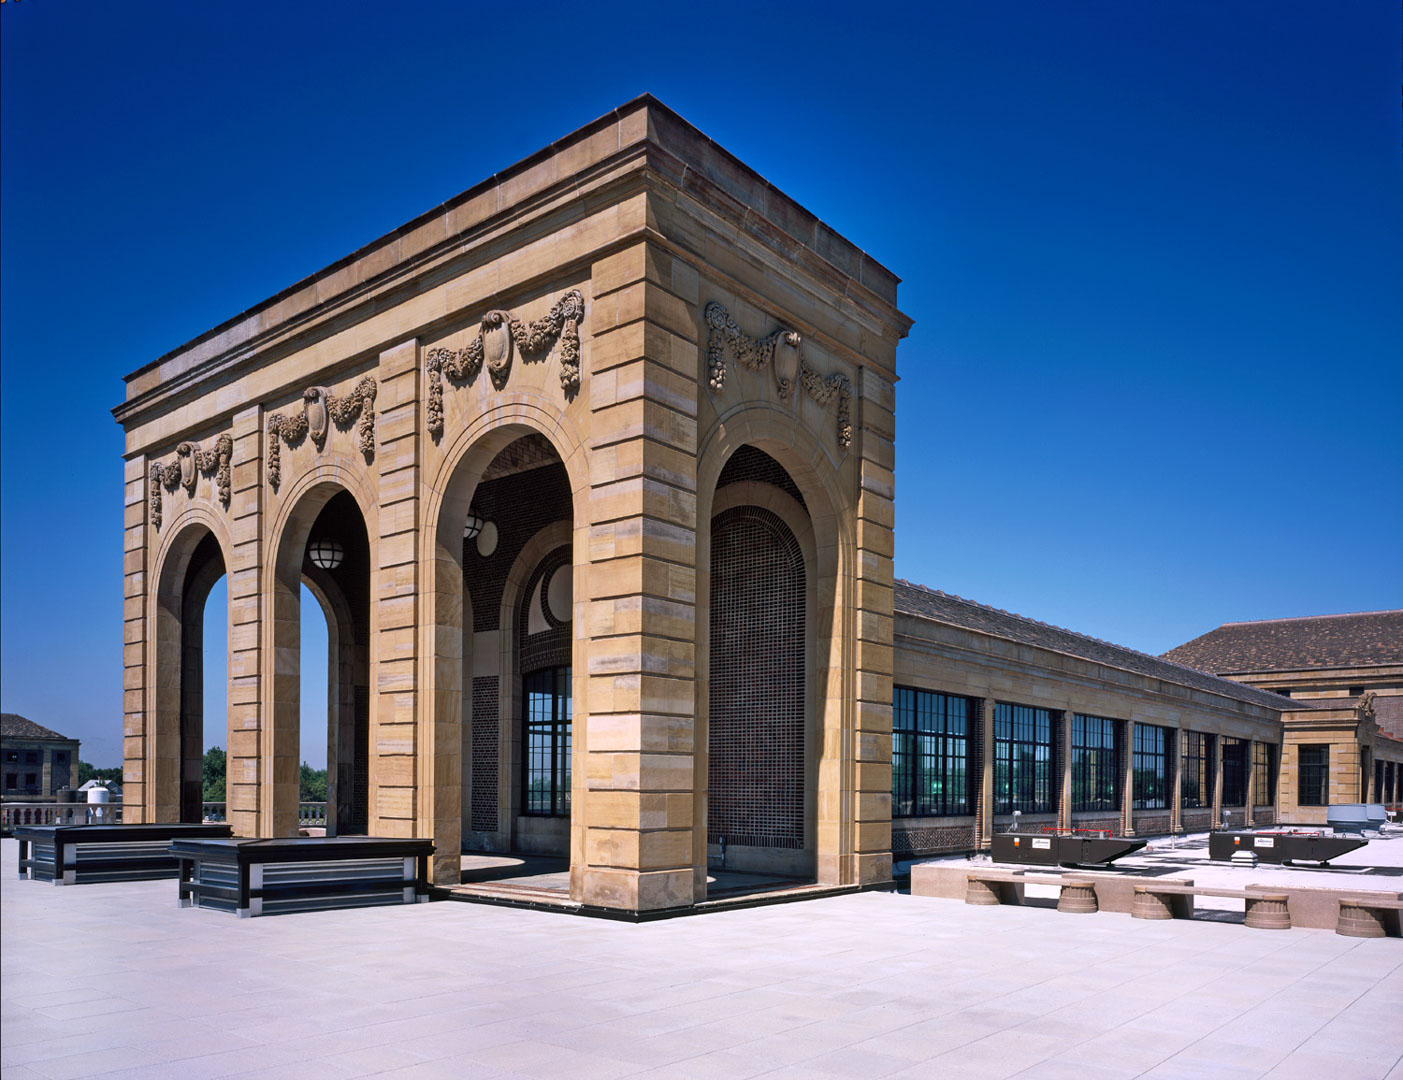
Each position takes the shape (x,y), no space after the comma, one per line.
(324,555)
(215,736)
(517,586)
(761,730)
(190,713)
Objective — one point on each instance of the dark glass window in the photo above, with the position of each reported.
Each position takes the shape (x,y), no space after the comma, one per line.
(31,757)
(11,755)
(1196,783)
(1356,691)
(1151,767)
(11,779)
(1234,753)
(61,757)
(1313,774)
(1022,760)
(930,753)
(1263,774)
(31,780)
(546,790)
(1095,784)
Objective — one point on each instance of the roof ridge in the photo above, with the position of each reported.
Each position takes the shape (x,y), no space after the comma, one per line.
(1199,672)
(1305,618)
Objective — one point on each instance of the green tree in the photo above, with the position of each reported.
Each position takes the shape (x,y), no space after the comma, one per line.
(214,767)
(311,784)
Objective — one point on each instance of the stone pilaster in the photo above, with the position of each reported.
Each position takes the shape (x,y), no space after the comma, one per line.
(399,724)
(1217,781)
(871,784)
(633,844)
(1176,787)
(135,630)
(1064,804)
(243,765)
(986,785)
(1127,795)
(1251,781)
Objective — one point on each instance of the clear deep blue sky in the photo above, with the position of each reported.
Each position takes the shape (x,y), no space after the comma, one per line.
(1152,251)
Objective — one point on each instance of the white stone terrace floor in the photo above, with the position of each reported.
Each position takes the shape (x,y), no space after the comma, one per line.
(114,980)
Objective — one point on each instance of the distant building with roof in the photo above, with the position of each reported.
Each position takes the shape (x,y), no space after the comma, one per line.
(1344,673)
(994,712)
(36,761)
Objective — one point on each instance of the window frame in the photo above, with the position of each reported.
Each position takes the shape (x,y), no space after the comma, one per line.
(1095,751)
(1150,759)
(1030,775)
(551,730)
(1263,773)
(932,740)
(1316,772)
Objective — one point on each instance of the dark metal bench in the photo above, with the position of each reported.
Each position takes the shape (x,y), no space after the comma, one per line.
(80,854)
(280,876)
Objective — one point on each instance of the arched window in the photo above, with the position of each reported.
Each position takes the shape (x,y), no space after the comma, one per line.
(546,785)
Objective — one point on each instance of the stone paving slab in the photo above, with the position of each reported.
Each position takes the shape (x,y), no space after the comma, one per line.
(115,981)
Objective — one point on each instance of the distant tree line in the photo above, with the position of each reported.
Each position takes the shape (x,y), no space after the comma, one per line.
(311,782)
(88,772)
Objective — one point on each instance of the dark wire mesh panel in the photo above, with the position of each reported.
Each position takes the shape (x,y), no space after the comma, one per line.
(485,752)
(756,742)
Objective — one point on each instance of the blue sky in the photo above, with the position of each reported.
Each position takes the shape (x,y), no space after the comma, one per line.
(1152,252)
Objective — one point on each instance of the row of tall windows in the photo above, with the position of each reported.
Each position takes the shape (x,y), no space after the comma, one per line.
(1095,764)
(930,753)
(934,761)
(1151,767)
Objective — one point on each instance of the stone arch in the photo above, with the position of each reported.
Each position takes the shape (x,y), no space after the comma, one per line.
(193,556)
(829,542)
(446,648)
(299,511)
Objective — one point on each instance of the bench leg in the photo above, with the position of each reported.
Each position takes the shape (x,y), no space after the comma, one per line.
(1268,913)
(1078,898)
(983,893)
(1149,905)
(1358,920)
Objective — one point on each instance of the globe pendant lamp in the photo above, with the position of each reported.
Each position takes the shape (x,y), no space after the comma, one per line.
(326,553)
(472,526)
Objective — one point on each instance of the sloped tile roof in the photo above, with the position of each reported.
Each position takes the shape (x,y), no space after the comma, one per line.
(1360,639)
(15,726)
(957,611)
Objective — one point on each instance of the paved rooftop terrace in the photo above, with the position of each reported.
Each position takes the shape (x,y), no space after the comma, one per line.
(114,980)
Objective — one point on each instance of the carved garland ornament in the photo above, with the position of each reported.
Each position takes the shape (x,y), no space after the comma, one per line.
(190,461)
(782,351)
(496,335)
(320,407)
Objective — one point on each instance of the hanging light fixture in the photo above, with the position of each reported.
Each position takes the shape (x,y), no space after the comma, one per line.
(472,526)
(326,553)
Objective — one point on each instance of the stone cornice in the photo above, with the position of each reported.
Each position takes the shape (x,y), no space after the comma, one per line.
(651,148)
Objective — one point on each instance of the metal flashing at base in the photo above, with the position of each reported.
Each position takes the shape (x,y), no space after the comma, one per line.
(735,903)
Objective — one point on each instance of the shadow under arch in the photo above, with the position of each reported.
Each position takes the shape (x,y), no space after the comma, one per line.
(447,648)
(334,515)
(190,563)
(822,520)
